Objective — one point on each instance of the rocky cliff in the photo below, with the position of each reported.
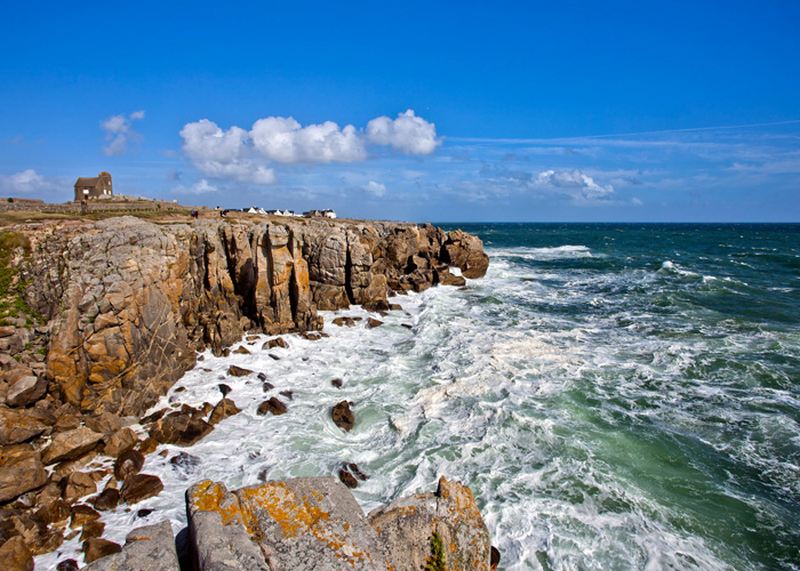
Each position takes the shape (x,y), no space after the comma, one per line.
(130,301)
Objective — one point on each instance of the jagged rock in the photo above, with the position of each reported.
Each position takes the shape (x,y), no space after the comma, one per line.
(19,425)
(56,511)
(97,547)
(235,371)
(347,478)
(67,565)
(81,515)
(77,485)
(121,441)
(277,342)
(301,524)
(21,470)
(91,529)
(373,323)
(407,526)
(15,555)
(224,409)
(241,350)
(466,252)
(148,548)
(288,394)
(106,500)
(128,464)
(343,416)
(181,428)
(224,389)
(70,445)
(139,487)
(26,390)
(273,405)
(345,321)
(104,423)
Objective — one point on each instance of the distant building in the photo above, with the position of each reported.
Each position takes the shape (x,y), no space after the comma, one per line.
(87,188)
(320,214)
(280,212)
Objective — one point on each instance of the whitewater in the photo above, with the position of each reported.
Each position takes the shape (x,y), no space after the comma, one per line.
(617,397)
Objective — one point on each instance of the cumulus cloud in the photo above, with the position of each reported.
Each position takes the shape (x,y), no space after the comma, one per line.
(284,140)
(25,182)
(202,186)
(376,188)
(408,133)
(575,184)
(249,156)
(119,130)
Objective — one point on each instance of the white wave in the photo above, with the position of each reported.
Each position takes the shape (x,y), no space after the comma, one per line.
(543,254)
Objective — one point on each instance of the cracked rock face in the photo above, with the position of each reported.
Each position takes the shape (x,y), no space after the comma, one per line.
(130,302)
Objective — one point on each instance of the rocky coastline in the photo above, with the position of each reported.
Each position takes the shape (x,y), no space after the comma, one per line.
(101,318)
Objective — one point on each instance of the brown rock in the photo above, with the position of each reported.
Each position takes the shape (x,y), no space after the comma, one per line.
(67,422)
(224,389)
(494,559)
(26,390)
(345,321)
(106,500)
(6,331)
(140,487)
(103,423)
(273,405)
(70,445)
(235,371)
(67,565)
(96,547)
(277,342)
(81,515)
(347,478)
(19,425)
(242,350)
(466,252)
(128,464)
(15,555)
(122,440)
(77,485)
(224,409)
(92,529)
(343,416)
(56,511)
(148,445)
(180,428)
(21,470)
(373,323)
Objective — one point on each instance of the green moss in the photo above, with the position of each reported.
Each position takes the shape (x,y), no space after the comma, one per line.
(12,302)
(436,560)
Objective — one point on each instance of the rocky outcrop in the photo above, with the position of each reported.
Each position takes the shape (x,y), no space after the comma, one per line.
(130,301)
(306,524)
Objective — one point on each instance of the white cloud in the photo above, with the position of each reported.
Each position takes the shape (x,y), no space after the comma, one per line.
(575,184)
(284,140)
(202,186)
(376,188)
(119,130)
(25,182)
(248,156)
(408,133)
(223,154)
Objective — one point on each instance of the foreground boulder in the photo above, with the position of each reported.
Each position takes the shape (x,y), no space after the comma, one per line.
(443,530)
(15,555)
(20,425)
(302,524)
(71,444)
(21,470)
(148,548)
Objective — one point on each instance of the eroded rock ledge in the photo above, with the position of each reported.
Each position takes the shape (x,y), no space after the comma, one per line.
(130,301)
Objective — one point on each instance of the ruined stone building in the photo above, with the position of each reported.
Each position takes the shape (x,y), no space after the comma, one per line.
(90,188)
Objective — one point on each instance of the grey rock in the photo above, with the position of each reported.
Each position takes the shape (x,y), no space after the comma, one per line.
(148,548)
(26,390)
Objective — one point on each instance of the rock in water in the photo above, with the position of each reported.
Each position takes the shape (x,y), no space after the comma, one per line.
(128,464)
(181,428)
(140,487)
(148,548)
(235,371)
(273,405)
(96,547)
(302,524)
(106,500)
(224,409)
(372,323)
(277,342)
(410,527)
(343,416)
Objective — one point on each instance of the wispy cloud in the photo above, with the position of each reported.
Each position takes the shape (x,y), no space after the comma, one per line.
(119,131)
(27,181)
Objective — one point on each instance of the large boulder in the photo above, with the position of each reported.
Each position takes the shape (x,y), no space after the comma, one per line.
(71,445)
(181,428)
(222,410)
(21,470)
(19,425)
(342,416)
(465,251)
(443,530)
(15,555)
(148,548)
(302,524)
(139,487)
(26,390)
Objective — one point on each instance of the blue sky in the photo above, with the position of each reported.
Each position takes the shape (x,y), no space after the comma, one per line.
(613,111)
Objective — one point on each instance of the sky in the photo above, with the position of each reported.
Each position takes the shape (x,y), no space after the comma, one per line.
(441,111)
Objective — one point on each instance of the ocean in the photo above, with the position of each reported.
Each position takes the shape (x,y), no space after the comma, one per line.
(617,396)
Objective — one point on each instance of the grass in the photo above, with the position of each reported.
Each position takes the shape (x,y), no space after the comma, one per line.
(12,302)
(436,560)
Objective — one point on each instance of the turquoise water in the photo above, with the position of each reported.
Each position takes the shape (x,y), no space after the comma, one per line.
(617,397)
(673,374)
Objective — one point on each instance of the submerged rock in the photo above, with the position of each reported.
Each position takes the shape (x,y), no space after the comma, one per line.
(96,547)
(235,371)
(128,464)
(223,409)
(273,405)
